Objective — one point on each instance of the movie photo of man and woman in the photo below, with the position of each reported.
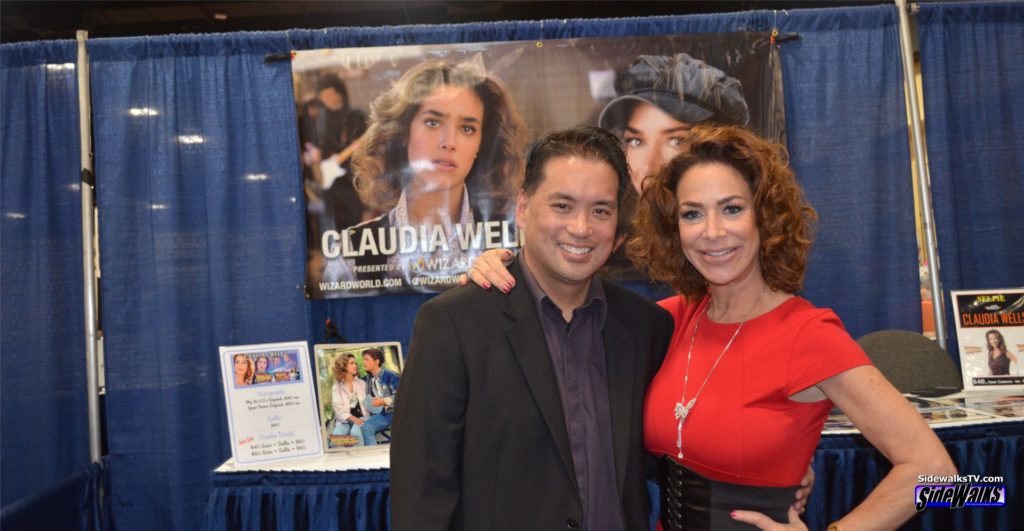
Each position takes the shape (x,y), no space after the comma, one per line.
(357,384)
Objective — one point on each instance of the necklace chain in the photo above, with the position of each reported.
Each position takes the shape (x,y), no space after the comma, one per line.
(681,410)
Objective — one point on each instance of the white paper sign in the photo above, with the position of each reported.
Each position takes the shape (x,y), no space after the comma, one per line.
(271,402)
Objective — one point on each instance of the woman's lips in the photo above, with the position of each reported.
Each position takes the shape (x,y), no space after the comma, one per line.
(444,164)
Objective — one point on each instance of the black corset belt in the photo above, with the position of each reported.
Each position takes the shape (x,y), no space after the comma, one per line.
(692,502)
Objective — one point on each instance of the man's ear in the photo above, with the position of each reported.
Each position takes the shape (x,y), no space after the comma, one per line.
(520,209)
(619,240)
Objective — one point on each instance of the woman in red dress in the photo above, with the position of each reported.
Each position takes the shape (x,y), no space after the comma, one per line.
(736,409)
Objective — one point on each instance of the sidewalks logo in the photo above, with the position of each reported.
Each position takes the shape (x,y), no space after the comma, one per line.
(956,492)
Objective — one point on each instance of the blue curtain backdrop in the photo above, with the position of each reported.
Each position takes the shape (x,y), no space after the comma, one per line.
(972,69)
(201,214)
(849,145)
(43,415)
(202,245)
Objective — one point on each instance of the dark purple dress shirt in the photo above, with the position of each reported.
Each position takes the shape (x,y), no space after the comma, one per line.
(578,360)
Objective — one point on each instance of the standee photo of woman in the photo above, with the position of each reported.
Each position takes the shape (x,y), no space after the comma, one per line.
(999,357)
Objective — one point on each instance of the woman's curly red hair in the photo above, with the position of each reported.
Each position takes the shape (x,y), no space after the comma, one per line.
(784,217)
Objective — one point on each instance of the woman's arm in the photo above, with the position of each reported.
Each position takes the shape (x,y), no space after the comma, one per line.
(891,424)
(895,428)
(359,388)
(339,402)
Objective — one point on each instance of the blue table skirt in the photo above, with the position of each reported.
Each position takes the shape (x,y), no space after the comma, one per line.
(355,500)
(847,468)
(73,503)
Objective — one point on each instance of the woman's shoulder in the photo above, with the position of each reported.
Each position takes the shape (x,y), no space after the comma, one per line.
(807,322)
(797,309)
(680,307)
(672,304)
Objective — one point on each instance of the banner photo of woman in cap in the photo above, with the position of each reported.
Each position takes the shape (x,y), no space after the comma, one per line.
(425,184)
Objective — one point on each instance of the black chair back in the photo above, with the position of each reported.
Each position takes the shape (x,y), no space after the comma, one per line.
(911,361)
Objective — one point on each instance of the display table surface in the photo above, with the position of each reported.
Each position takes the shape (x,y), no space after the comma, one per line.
(350,491)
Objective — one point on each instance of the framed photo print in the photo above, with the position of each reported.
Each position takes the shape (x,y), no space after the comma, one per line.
(357,384)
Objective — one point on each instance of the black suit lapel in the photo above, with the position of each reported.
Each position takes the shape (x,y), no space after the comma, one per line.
(620,358)
(527,340)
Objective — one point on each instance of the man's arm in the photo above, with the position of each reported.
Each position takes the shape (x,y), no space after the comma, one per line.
(427,427)
(392,383)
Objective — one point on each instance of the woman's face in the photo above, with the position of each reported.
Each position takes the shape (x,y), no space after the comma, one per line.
(261,365)
(717,227)
(351,367)
(241,365)
(993,340)
(651,138)
(444,138)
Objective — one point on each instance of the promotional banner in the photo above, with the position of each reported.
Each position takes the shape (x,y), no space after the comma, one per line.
(413,155)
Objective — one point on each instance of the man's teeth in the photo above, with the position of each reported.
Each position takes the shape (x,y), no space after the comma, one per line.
(576,250)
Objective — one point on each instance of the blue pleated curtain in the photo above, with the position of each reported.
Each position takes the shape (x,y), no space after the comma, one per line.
(972,69)
(43,417)
(201,218)
(201,228)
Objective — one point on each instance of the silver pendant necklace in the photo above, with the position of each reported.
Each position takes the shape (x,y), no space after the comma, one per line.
(682,411)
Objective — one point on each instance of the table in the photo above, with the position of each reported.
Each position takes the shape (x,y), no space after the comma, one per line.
(847,468)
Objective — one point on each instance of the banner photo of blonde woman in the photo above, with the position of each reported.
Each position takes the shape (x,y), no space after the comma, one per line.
(413,155)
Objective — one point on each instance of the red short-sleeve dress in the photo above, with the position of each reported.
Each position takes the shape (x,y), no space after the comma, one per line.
(743,430)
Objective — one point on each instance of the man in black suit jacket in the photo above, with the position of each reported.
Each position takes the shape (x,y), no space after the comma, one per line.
(524,411)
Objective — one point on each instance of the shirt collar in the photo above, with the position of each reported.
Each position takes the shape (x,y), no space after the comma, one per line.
(400,214)
(594,293)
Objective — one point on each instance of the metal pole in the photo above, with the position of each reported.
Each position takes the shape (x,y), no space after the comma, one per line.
(88,271)
(922,176)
